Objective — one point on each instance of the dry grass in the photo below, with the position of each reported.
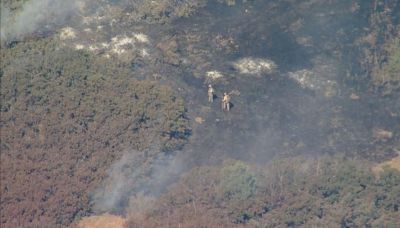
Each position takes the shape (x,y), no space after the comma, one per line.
(102,221)
(393,163)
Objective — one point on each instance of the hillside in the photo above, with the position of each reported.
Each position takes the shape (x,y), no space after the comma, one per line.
(105,115)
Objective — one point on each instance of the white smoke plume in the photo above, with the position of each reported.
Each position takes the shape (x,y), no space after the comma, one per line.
(137,174)
(34,16)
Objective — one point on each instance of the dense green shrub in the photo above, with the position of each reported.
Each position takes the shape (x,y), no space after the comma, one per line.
(237,182)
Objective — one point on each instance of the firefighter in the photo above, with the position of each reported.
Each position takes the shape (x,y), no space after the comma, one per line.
(210,93)
(226,102)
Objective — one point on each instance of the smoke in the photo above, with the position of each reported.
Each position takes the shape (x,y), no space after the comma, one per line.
(36,16)
(143,174)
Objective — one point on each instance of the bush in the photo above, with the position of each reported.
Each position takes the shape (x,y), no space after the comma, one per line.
(237,182)
(387,74)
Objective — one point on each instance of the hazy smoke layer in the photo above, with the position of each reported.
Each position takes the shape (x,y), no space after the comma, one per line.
(135,173)
(35,15)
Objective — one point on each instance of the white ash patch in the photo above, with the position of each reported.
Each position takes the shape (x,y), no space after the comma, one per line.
(141,38)
(93,19)
(93,34)
(254,66)
(305,78)
(67,33)
(79,46)
(214,75)
(119,41)
(310,80)
(105,45)
(120,44)
(144,53)
(122,40)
